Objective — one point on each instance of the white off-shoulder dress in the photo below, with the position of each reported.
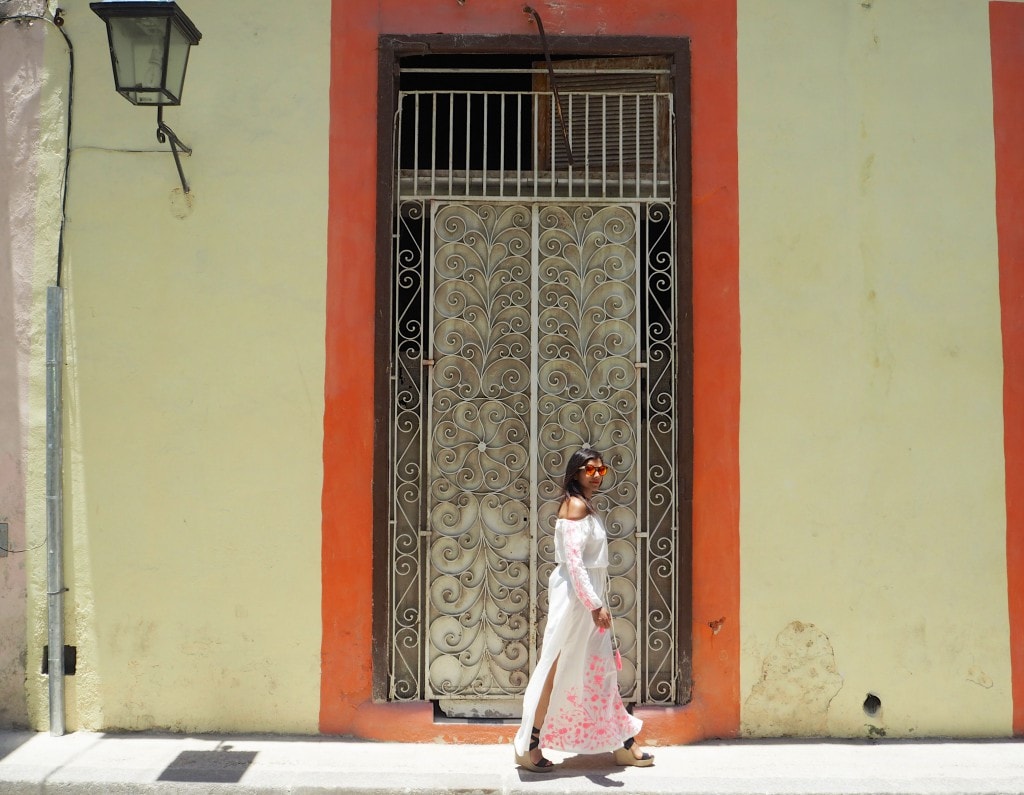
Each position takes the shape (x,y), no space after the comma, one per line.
(585,714)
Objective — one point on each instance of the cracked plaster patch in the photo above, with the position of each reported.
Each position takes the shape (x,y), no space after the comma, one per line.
(799,679)
(977,676)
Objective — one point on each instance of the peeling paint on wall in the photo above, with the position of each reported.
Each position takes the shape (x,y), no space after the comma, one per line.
(977,676)
(798,681)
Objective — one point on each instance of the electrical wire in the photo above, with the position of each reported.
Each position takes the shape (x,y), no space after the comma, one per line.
(58,22)
(10,551)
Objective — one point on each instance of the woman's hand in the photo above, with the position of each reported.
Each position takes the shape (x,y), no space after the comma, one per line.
(602,618)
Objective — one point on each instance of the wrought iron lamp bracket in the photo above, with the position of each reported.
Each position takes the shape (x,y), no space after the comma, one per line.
(165,134)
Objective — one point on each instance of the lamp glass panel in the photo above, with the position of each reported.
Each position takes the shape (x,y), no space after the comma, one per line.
(138,44)
(177,60)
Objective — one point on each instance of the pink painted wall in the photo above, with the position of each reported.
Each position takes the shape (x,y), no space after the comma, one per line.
(21,75)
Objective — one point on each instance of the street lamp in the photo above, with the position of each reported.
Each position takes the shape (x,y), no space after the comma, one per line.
(149,46)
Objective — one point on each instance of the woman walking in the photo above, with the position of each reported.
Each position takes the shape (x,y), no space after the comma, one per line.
(572,701)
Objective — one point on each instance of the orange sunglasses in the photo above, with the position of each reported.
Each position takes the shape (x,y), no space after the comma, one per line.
(592,470)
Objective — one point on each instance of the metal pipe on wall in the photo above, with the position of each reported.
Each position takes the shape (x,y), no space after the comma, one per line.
(55,505)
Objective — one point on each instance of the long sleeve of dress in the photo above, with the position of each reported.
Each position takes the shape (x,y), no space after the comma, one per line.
(575,534)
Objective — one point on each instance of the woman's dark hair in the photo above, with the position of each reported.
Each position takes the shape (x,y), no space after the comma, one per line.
(571,485)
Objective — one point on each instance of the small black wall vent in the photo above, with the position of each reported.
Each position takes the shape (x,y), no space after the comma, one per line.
(70,660)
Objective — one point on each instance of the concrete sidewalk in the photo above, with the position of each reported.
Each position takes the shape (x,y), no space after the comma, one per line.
(148,763)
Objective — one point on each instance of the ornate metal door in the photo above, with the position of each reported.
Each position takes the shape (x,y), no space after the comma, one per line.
(527,325)
(535,350)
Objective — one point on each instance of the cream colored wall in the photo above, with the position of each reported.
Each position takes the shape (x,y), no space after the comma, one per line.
(194,388)
(872,519)
(872,508)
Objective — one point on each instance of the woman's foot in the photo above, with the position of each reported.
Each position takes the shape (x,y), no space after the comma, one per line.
(632,755)
(534,760)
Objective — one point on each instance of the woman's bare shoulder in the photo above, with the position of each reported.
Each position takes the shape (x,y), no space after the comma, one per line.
(573,508)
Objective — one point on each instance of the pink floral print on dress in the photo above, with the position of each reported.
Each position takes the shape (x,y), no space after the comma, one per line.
(592,717)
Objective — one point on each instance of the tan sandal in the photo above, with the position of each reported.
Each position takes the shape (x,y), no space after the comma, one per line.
(624,756)
(524,761)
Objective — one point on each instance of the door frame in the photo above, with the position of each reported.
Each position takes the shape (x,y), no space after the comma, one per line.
(391,49)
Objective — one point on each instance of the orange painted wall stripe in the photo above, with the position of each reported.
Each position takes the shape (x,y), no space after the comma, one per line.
(1006,25)
(347,507)
(346,705)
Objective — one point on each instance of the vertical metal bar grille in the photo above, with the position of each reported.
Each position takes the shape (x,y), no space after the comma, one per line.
(534,312)
(475,146)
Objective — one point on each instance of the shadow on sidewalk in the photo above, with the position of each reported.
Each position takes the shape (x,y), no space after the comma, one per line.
(220,766)
(596,768)
(11,741)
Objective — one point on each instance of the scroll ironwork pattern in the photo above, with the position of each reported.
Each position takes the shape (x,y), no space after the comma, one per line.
(533,310)
(588,348)
(407,453)
(544,327)
(659,465)
(478,594)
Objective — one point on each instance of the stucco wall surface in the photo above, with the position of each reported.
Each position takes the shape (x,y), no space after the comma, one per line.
(194,386)
(22,73)
(872,503)
(34,68)
(871,483)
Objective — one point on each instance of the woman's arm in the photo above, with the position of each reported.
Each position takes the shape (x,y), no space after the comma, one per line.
(574,534)
(575,510)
